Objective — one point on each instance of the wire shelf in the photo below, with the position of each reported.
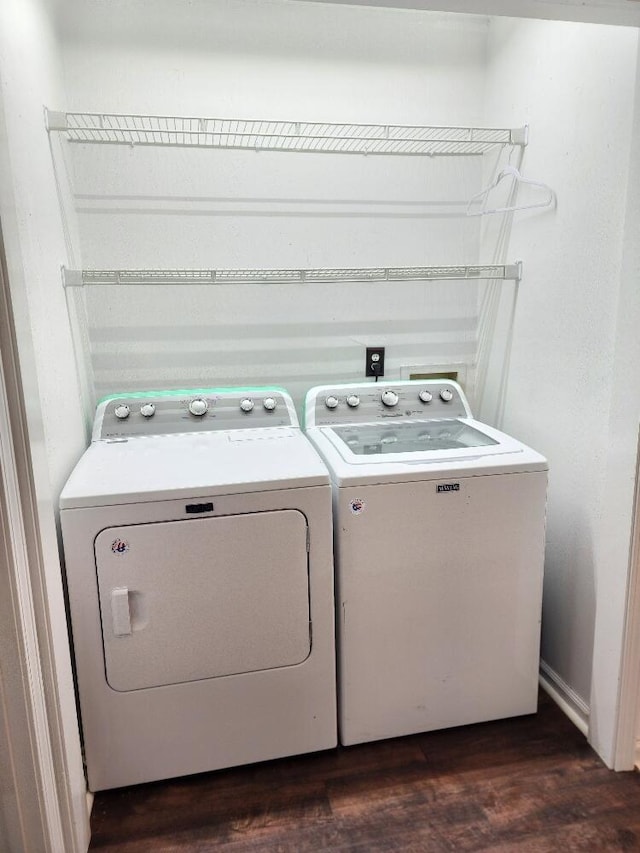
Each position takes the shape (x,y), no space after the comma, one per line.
(258,135)
(80,278)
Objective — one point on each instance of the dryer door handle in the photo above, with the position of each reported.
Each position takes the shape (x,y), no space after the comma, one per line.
(120,613)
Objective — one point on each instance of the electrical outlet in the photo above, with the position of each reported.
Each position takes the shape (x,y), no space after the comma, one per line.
(374,362)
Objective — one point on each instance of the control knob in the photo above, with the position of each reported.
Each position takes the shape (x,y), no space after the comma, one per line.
(269,403)
(246,405)
(121,411)
(331,402)
(389,398)
(425,396)
(147,410)
(198,407)
(446,395)
(353,400)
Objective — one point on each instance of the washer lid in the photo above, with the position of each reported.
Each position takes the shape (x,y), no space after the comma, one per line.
(417,441)
(477,451)
(415,437)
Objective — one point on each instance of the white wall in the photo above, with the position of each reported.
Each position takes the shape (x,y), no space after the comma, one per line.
(269,57)
(179,208)
(36,243)
(577,93)
(35,248)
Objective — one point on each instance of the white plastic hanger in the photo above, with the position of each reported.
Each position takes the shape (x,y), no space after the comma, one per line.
(509,172)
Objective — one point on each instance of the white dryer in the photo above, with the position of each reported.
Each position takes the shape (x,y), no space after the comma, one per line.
(439,540)
(198,544)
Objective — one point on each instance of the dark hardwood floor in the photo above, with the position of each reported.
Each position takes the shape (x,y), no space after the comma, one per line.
(528,784)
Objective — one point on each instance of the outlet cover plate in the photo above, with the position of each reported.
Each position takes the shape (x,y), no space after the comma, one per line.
(374,361)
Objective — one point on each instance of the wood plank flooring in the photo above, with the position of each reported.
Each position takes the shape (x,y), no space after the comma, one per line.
(531,784)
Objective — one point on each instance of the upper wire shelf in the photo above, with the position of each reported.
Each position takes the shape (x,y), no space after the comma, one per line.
(79,278)
(258,135)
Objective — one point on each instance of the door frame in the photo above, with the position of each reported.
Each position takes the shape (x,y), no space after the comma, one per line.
(30,820)
(41,809)
(626,750)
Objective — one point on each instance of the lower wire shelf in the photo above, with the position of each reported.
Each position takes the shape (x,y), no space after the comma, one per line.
(490,272)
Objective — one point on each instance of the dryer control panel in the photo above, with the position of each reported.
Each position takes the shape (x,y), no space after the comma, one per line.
(202,410)
(435,399)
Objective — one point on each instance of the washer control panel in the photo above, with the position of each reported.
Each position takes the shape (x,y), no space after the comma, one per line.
(403,400)
(197,411)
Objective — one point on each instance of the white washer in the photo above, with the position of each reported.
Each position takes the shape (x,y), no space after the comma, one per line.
(439,541)
(198,542)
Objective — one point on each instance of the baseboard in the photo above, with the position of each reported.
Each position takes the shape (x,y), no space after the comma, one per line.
(565,697)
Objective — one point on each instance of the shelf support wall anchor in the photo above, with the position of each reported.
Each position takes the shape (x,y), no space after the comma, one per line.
(71,278)
(520,136)
(54,120)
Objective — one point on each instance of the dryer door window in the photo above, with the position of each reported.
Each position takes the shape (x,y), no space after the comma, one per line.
(188,600)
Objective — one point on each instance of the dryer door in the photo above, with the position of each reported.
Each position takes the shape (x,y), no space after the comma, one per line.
(187,600)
